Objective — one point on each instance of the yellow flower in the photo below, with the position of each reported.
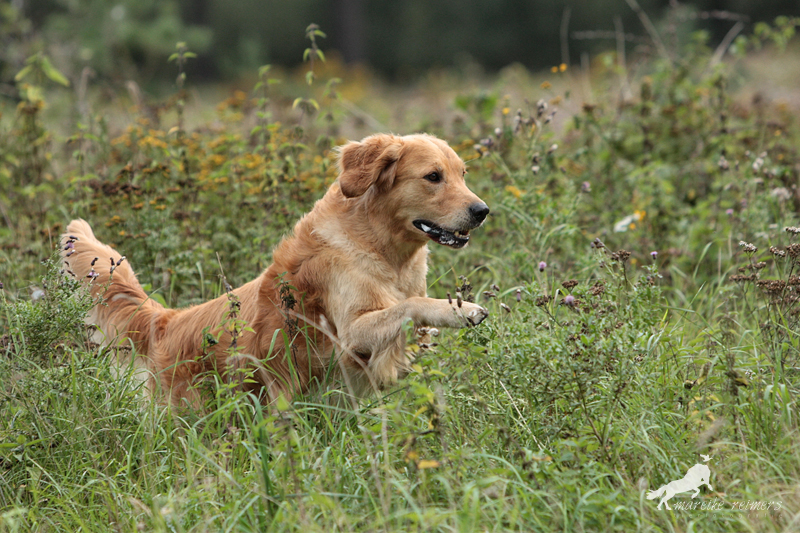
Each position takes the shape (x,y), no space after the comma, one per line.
(554,70)
(427,463)
(506,110)
(514,191)
(546,85)
(562,67)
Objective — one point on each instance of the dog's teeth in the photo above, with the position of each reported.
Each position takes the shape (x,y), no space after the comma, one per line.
(425,228)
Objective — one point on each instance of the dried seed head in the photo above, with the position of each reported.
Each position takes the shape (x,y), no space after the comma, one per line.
(505,308)
(569,284)
(621,256)
(777,252)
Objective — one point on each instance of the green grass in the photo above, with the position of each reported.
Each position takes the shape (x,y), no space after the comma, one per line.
(556,413)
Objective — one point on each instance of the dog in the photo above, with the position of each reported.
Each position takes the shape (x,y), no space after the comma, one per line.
(336,297)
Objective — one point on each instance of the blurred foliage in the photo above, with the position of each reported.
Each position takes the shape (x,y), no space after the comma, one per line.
(127,39)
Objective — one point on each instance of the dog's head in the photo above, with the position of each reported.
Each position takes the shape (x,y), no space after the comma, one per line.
(415,184)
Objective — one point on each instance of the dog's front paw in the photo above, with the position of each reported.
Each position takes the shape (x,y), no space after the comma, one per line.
(474,313)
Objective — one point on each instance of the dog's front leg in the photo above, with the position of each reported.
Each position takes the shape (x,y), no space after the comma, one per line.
(374,330)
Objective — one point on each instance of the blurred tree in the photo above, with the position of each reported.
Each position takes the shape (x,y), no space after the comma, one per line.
(123,38)
(120,38)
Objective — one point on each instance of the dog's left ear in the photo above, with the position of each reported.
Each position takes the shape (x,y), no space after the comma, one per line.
(372,161)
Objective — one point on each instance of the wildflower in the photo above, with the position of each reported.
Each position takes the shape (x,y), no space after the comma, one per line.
(535,169)
(586,186)
(569,300)
(498,132)
(562,67)
(757,164)
(541,107)
(729,212)
(723,163)
(654,255)
(542,266)
(748,247)
(629,221)
(552,149)
(518,295)
(546,85)
(514,191)
(1,285)
(781,194)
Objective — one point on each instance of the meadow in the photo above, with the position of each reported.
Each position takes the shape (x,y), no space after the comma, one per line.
(641,265)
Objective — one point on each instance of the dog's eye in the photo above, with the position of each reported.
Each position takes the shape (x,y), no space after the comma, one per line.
(434,177)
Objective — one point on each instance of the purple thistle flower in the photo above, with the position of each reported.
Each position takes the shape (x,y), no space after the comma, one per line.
(569,300)
(542,266)
(654,254)
(729,212)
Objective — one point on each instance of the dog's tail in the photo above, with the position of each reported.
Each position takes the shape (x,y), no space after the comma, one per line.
(126,311)
(653,494)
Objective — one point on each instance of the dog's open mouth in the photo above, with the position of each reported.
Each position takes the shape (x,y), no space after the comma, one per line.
(453,239)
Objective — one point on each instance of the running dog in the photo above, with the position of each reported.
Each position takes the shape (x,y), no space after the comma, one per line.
(336,296)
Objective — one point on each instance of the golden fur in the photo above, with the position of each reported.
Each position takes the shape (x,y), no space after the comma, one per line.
(357,261)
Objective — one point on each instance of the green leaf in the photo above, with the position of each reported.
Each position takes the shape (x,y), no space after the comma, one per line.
(22,73)
(51,72)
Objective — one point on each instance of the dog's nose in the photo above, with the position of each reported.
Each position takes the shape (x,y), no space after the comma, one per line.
(478,211)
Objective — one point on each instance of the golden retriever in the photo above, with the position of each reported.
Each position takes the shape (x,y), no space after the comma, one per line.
(336,296)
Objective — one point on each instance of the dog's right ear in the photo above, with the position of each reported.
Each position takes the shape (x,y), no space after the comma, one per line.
(367,163)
